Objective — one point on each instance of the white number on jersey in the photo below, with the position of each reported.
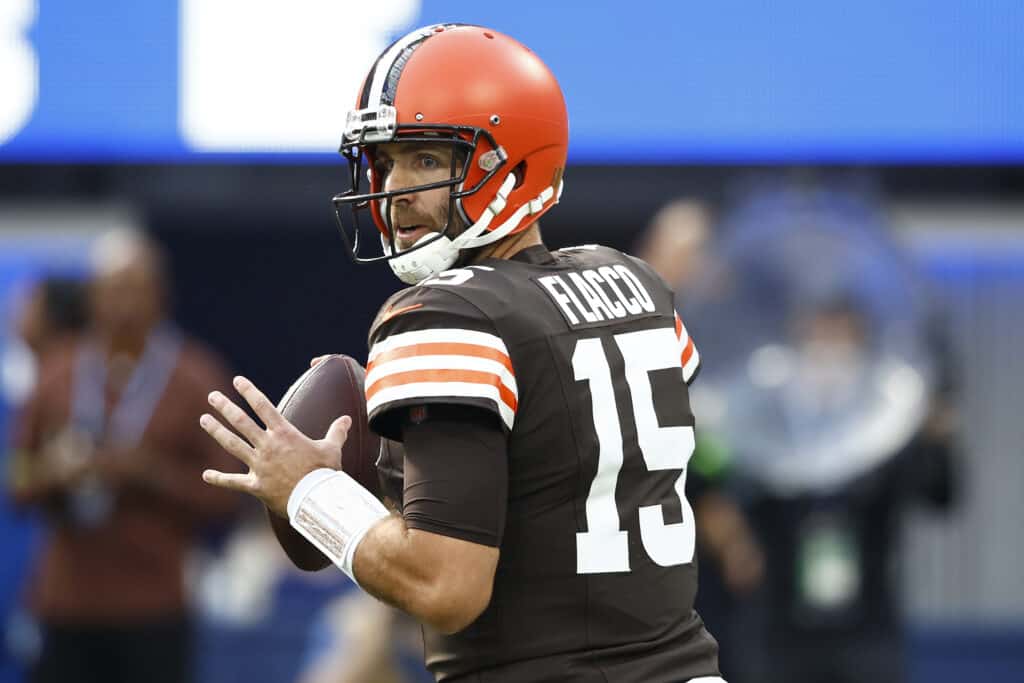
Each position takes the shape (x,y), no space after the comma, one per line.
(604,547)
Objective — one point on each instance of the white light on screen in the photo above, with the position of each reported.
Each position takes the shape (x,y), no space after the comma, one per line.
(19,67)
(262,76)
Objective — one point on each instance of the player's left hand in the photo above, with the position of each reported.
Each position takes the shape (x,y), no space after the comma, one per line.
(278,456)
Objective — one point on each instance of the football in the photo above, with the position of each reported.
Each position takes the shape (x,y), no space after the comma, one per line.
(331,388)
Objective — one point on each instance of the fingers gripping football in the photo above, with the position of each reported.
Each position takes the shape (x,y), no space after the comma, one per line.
(278,456)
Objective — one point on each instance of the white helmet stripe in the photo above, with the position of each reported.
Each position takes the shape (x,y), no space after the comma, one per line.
(380,74)
(387,60)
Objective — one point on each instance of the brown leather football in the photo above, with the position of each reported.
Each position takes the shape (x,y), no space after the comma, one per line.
(331,388)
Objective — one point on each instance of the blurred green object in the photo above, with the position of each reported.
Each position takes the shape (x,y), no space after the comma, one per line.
(711,458)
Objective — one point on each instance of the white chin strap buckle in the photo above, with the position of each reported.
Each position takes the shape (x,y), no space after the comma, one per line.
(418,264)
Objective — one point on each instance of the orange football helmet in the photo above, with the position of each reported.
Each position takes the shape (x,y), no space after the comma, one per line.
(500,107)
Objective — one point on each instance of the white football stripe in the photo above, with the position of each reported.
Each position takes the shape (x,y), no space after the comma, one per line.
(445,362)
(446,335)
(446,389)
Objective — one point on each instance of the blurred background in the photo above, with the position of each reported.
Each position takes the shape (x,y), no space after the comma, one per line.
(835,191)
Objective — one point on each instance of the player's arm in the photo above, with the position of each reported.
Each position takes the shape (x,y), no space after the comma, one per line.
(442,581)
(442,361)
(437,559)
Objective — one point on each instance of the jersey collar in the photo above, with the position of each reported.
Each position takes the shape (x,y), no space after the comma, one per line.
(536,254)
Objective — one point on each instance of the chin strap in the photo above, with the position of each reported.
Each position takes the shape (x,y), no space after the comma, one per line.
(441,253)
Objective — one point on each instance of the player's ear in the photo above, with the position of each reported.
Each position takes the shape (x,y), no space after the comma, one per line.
(520,173)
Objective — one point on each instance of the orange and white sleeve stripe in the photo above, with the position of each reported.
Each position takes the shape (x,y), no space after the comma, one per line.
(688,356)
(442,363)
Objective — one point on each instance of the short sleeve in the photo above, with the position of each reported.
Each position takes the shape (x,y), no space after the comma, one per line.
(471,506)
(429,346)
(689,357)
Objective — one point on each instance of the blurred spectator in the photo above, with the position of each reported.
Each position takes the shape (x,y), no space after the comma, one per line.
(45,314)
(834,408)
(109,449)
(49,311)
(830,611)
(680,245)
(55,309)
(677,244)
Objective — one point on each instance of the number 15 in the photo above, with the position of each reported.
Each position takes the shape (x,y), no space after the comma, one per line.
(604,547)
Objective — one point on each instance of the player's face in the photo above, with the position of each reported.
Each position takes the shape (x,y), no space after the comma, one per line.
(405,165)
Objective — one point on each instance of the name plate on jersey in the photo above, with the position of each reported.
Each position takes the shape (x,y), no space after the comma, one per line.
(595,296)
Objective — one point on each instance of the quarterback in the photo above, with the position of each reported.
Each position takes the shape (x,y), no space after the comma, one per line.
(534,402)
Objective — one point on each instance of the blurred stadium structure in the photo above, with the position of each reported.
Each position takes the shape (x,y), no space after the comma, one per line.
(107,121)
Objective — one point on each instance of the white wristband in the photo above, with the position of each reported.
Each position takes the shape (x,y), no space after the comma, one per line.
(333,512)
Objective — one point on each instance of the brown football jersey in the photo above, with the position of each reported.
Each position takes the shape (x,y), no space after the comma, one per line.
(581,356)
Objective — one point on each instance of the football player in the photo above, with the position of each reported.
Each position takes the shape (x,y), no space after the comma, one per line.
(536,400)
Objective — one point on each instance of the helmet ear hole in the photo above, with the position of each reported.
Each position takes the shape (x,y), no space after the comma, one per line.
(520,174)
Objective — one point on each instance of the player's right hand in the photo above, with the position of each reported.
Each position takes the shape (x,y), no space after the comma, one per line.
(277,453)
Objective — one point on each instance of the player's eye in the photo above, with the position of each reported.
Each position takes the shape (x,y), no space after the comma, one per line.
(429,161)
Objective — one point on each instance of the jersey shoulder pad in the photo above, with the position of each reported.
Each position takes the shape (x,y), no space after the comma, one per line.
(649,272)
(689,356)
(431,346)
(599,252)
(603,254)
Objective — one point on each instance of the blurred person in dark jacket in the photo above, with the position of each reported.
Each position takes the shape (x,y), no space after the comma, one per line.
(829,611)
(106,447)
(835,407)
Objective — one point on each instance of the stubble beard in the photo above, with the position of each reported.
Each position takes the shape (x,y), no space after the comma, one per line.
(437,223)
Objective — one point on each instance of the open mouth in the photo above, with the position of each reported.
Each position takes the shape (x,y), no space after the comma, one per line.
(407,235)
